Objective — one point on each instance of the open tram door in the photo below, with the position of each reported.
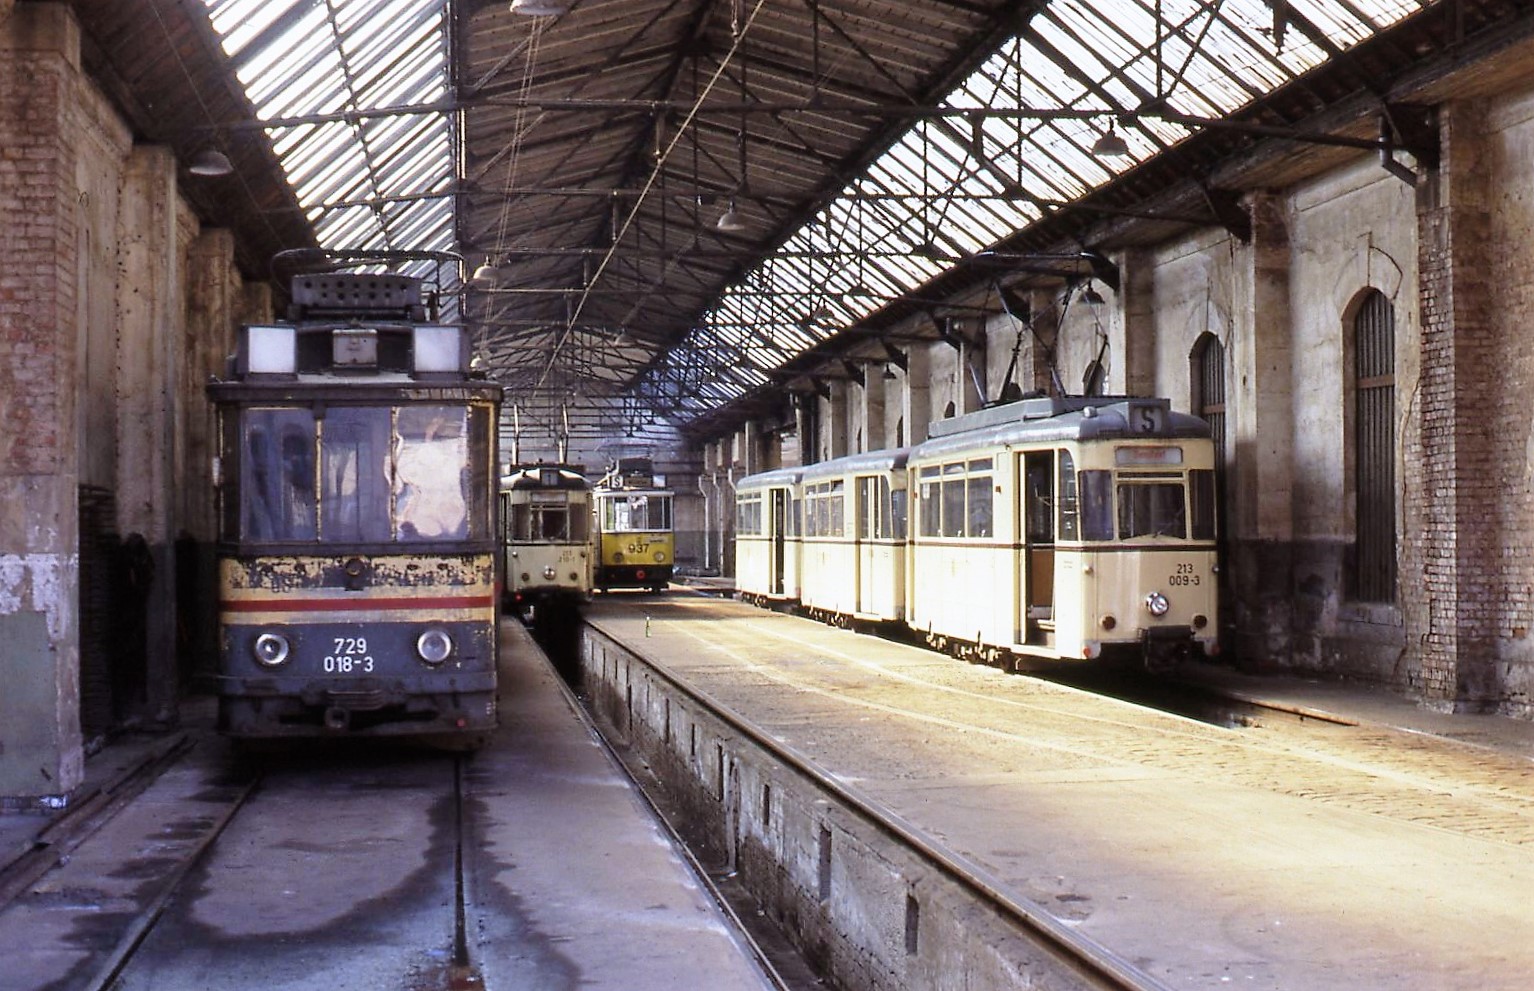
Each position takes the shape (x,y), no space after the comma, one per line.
(777,526)
(1036,564)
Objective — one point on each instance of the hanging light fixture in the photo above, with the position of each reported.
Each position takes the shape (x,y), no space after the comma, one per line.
(210,162)
(889,373)
(731,221)
(1110,145)
(1091,296)
(539,8)
(485,277)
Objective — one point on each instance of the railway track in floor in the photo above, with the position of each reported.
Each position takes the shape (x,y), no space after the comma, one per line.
(333,867)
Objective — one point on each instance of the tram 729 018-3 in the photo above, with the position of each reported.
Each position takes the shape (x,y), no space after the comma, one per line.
(357,550)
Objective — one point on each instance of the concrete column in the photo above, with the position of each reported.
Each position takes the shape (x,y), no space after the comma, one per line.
(1132,333)
(41,756)
(918,393)
(834,434)
(151,333)
(1452,485)
(1261,541)
(1038,372)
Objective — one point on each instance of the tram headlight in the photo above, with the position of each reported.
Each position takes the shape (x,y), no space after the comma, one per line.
(1157,604)
(660,557)
(434,646)
(271,649)
(549,574)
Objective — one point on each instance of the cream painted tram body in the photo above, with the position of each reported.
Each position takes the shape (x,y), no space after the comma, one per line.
(545,537)
(767,514)
(1062,529)
(852,547)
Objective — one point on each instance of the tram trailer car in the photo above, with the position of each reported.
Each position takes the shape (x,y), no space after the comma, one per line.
(546,538)
(853,547)
(767,513)
(1056,529)
(636,547)
(356,486)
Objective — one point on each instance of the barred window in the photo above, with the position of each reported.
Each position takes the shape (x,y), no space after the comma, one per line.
(1374,443)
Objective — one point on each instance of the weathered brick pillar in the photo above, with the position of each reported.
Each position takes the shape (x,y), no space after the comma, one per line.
(1450,547)
(40,745)
(1261,541)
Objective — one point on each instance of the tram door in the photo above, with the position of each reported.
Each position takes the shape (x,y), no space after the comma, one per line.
(1037,581)
(867,523)
(778,527)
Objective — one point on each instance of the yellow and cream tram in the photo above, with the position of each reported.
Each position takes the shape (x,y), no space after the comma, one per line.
(635,542)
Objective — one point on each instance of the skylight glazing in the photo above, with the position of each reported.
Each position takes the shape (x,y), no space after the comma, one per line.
(343,84)
(1043,99)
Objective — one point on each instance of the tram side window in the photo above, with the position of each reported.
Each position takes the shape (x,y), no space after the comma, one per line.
(748,518)
(1201,500)
(277,475)
(899,513)
(431,451)
(931,506)
(1066,509)
(354,484)
(1096,504)
(978,499)
(953,500)
(1151,510)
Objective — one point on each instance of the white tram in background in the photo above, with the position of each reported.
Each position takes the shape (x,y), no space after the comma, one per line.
(545,538)
(1049,528)
(767,513)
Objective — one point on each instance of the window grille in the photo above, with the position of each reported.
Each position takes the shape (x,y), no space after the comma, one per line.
(1374,442)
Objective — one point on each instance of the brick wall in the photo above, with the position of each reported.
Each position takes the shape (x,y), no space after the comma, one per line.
(36,260)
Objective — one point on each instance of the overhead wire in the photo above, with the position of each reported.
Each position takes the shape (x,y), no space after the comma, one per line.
(739,30)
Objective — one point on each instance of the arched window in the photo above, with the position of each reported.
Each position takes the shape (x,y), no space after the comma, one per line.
(1209,391)
(1374,445)
(1093,382)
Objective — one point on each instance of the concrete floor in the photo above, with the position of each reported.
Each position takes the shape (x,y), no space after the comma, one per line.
(1288,855)
(337,871)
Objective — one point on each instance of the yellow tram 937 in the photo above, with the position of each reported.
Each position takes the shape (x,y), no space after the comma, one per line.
(356,486)
(636,546)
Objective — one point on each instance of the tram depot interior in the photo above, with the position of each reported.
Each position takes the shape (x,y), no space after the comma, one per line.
(734,235)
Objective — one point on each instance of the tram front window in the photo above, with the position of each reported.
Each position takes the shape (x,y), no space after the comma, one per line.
(431,453)
(359,474)
(1152,510)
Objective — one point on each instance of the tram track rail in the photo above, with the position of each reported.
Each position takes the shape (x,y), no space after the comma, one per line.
(155,870)
(1073,960)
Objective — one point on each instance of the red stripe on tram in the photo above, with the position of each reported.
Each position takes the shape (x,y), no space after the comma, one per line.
(358,604)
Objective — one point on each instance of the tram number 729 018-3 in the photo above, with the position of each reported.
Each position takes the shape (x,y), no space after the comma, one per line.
(350,656)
